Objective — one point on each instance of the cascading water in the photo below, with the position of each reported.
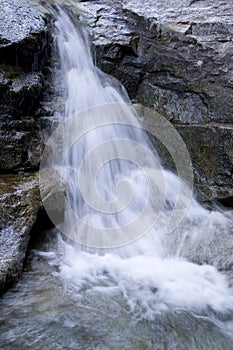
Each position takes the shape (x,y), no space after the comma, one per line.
(109,295)
(146,265)
(150,264)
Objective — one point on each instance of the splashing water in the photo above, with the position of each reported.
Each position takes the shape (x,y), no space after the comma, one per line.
(151,273)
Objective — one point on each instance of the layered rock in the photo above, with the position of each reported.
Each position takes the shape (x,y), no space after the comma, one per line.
(176,57)
(24,52)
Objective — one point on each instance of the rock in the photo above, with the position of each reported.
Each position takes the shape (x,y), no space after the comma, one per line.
(182,108)
(48,126)
(24,33)
(176,57)
(112,39)
(211,150)
(21,144)
(211,248)
(13,149)
(20,91)
(25,40)
(106,23)
(20,200)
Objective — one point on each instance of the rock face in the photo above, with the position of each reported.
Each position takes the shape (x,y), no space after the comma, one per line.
(176,56)
(20,144)
(24,52)
(23,33)
(19,202)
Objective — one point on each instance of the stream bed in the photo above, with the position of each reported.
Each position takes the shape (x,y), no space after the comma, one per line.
(41,312)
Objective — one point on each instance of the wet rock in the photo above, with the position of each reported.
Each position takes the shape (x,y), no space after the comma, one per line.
(106,23)
(21,144)
(25,40)
(20,200)
(176,57)
(48,126)
(210,148)
(20,91)
(52,105)
(25,37)
(211,151)
(24,33)
(212,248)
(185,108)
(112,39)
(13,149)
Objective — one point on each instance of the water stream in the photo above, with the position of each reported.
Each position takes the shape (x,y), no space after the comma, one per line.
(148,294)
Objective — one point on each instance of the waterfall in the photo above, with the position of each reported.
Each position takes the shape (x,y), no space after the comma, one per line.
(121,174)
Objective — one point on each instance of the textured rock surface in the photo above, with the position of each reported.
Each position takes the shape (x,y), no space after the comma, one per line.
(23,33)
(20,144)
(19,91)
(212,248)
(19,202)
(211,151)
(176,56)
(24,52)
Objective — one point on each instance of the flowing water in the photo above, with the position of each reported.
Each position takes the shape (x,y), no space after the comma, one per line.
(148,294)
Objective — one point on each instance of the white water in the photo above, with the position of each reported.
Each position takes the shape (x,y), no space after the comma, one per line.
(149,274)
